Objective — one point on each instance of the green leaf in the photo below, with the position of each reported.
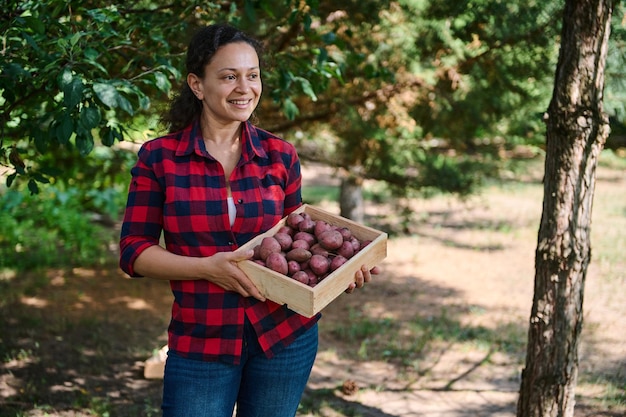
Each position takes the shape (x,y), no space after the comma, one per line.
(73,92)
(91,57)
(65,129)
(65,78)
(107,136)
(84,142)
(125,105)
(13,70)
(107,94)
(323,56)
(144,102)
(35,24)
(91,54)
(162,82)
(249,10)
(286,78)
(90,117)
(29,39)
(11,178)
(41,178)
(41,141)
(33,187)
(307,88)
(329,38)
(75,38)
(290,109)
(119,133)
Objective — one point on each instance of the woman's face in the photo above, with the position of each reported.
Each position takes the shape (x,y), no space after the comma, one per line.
(231,87)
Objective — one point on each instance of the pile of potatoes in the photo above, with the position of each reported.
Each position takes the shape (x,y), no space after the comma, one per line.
(307,250)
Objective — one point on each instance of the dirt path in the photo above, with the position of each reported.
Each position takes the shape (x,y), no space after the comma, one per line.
(474,262)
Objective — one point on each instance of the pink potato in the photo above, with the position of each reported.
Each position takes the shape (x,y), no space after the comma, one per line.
(307,225)
(277,262)
(312,276)
(331,239)
(256,252)
(292,268)
(268,245)
(293,220)
(346,250)
(299,255)
(356,244)
(317,249)
(286,229)
(300,244)
(337,262)
(319,264)
(320,227)
(306,236)
(284,240)
(345,233)
(364,244)
(301,276)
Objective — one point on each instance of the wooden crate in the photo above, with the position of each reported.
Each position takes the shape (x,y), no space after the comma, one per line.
(300,297)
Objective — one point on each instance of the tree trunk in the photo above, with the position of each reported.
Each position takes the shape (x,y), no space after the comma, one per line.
(576,130)
(351,198)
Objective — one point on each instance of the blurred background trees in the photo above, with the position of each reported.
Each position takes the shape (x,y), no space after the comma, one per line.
(421,96)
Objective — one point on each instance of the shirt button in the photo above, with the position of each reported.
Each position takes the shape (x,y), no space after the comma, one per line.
(231,243)
(240,201)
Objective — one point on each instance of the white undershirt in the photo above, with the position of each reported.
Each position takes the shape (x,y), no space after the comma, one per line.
(232,211)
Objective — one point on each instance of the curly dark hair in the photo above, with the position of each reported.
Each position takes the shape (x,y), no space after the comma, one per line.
(186,107)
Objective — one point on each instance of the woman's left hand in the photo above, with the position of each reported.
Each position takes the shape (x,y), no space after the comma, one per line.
(362,276)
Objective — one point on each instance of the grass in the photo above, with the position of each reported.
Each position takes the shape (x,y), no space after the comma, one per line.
(407,343)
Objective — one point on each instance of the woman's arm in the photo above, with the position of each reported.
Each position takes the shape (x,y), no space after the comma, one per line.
(220,268)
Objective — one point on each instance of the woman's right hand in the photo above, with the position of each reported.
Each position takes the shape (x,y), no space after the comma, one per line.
(222,270)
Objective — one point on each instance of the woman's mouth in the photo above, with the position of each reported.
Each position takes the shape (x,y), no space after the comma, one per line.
(241,103)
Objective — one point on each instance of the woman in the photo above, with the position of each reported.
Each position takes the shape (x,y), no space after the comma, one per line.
(212,184)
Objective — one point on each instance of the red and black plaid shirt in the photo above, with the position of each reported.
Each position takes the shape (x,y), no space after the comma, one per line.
(178,188)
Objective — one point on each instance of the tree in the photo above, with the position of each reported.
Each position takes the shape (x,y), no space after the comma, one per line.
(74,73)
(577,128)
(415,73)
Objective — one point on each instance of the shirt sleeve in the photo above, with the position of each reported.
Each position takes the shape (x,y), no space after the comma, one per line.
(143,218)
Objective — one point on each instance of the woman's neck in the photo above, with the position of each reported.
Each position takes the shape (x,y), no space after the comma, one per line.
(220,133)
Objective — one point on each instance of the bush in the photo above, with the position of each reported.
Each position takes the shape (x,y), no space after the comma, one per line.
(51,229)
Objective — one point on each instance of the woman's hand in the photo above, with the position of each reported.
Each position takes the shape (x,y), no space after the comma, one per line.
(362,276)
(220,268)
(223,270)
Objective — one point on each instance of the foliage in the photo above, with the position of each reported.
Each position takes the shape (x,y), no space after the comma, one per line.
(432,93)
(50,229)
(76,73)
(79,73)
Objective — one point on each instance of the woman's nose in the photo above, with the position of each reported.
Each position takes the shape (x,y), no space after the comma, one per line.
(243,85)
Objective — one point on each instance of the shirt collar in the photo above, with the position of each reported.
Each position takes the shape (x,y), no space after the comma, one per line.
(191,141)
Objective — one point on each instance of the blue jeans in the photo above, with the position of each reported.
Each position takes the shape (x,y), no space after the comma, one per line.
(259,386)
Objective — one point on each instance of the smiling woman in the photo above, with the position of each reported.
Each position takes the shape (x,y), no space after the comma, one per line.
(212,184)
(231,87)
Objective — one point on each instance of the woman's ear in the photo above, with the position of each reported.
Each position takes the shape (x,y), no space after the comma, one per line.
(195,84)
